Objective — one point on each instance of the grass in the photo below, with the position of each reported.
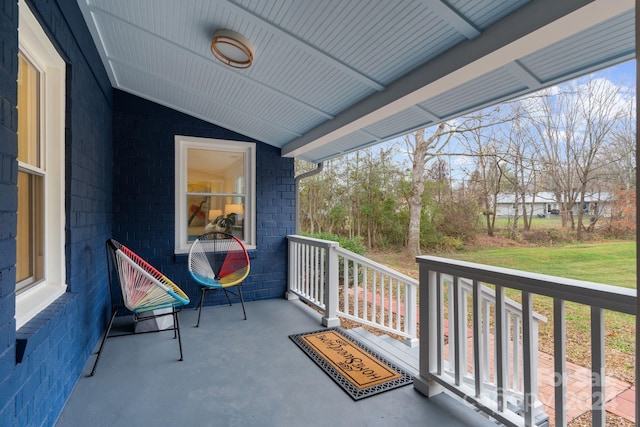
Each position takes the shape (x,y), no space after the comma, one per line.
(608,262)
(611,262)
(554,221)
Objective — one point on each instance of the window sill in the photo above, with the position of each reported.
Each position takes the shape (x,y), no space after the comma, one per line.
(30,336)
(32,301)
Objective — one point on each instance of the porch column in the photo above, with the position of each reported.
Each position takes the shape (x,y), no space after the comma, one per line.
(424,383)
(331,298)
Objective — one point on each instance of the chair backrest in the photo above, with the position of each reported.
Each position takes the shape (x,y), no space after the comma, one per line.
(143,287)
(218,259)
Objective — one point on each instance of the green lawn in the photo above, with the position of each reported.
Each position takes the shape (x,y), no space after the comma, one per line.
(608,262)
(536,223)
(612,263)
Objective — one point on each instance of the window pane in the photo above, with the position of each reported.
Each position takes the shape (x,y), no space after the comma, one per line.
(28,113)
(29,240)
(215,192)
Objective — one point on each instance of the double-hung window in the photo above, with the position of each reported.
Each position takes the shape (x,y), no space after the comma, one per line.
(215,189)
(40,264)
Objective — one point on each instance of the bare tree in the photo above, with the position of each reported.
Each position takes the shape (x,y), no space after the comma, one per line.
(486,178)
(421,150)
(574,125)
(599,109)
(556,122)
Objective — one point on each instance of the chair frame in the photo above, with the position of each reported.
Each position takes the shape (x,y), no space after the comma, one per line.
(168,294)
(202,265)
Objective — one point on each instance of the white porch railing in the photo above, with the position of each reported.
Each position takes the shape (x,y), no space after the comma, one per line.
(515,346)
(340,282)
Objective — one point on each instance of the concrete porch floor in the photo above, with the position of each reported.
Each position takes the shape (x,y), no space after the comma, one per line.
(238,373)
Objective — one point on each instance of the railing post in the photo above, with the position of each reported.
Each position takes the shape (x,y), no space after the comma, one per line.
(330,318)
(412,317)
(429,333)
(294,266)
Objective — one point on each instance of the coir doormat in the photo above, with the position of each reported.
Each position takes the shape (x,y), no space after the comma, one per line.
(357,369)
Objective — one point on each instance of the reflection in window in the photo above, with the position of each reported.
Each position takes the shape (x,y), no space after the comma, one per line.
(214,189)
(215,201)
(31,176)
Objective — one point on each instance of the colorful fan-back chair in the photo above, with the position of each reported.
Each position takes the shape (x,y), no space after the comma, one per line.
(219,261)
(144,289)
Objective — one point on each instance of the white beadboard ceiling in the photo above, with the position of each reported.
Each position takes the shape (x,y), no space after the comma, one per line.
(334,76)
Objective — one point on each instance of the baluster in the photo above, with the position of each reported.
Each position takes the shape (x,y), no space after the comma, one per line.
(390,303)
(440,324)
(374,296)
(356,289)
(314,277)
(365,291)
(485,331)
(527,358)
(345,281)
(307,271)
(501,360)
(460,335)
(463,320)
(559,362)
(477,341)
(323,284)
(508,351)
(516,352)
(399,305)
(453,357)
(382,297)
(597,367)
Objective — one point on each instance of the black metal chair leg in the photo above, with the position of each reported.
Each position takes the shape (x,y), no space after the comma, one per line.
(104,338)
(175,315)
(177,328)
(242,301)
(226,293)
(204,290)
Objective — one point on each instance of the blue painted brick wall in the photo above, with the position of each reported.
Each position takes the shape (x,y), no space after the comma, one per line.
(144,180)
(60,340)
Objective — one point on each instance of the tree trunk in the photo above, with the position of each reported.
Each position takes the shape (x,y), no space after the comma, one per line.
(417,189)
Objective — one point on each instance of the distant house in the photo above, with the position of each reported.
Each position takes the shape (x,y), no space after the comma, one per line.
(545,203)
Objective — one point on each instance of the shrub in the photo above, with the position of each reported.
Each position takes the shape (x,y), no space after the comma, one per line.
(537,237)
(355,244)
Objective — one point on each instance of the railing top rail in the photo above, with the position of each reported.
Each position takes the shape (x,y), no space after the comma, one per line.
(596,294)
(312,241)
(375,265)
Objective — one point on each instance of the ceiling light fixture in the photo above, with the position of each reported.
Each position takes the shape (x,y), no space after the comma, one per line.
(232,49)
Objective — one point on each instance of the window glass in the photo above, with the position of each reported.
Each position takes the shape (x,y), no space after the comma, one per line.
(214,189)
(28,113)
(215,192)
(30,214)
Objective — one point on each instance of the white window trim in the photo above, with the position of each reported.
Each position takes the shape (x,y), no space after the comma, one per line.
(182,144)
(36,46)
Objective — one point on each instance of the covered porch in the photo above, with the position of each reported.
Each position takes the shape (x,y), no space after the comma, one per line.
(238,372)
(127,91)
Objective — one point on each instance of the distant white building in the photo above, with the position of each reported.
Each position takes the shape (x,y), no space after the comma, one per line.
(544,203)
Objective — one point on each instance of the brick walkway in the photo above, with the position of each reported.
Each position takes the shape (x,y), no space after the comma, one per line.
(620,395)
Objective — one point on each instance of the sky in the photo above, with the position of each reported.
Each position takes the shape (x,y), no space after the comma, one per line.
(623,74)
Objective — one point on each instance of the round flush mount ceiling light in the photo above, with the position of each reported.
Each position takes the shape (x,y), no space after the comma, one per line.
(232,49)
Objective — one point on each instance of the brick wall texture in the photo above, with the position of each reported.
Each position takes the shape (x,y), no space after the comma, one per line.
(119,181)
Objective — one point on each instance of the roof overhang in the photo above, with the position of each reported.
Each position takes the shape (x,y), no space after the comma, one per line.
(531,29)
